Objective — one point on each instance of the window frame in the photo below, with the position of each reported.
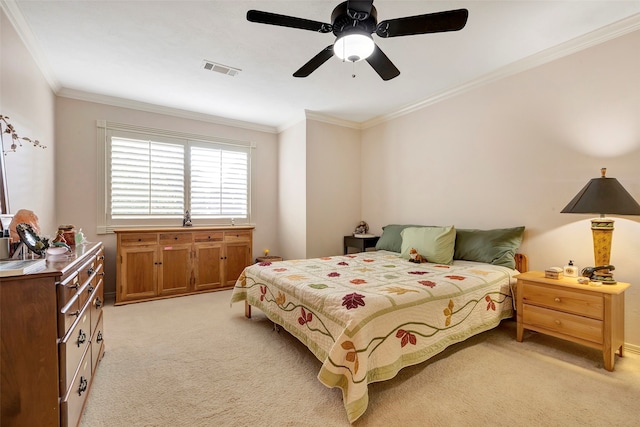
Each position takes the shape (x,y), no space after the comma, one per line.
(105,129)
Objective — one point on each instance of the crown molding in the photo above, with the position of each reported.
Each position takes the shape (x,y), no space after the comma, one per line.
(609,32)
(319,117)
(16,18)
(158,109)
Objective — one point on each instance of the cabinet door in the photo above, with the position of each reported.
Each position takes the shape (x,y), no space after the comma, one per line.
(208,266)
(237,257)
(137,275)
(174,276)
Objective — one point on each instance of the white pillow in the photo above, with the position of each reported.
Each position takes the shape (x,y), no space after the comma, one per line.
(436,244)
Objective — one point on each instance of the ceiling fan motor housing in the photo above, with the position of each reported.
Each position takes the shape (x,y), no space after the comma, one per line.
(344,24)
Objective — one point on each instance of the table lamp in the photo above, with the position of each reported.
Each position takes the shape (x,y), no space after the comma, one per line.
(603,196)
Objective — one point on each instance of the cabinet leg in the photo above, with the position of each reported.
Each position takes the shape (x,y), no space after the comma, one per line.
(609,359)
(247,310)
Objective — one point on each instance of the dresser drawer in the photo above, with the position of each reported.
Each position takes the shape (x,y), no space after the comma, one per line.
(97,344)
(208,236)
(564,299)
(137,239)
(73,402)
(72,348)
(97,302)
(237,236)
(67,315)
(563,323)
(175,238)
(67,289)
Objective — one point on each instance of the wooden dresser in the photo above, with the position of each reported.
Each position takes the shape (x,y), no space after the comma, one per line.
(589,314)
(167,262)
(52,340)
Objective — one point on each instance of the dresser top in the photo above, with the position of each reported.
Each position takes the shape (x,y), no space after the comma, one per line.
(176,229)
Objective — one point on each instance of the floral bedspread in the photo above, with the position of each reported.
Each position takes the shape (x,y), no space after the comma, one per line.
(365,316)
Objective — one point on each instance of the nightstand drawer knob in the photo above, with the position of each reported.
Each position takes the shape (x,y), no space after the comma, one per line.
(557,299)
(557,322)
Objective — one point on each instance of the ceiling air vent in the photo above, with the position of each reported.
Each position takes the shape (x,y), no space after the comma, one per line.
(219,68)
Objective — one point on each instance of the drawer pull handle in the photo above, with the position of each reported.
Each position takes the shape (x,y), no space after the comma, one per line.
(99,337)
(82,337)
(557,322)
(101,258)
(101,274)
(98,302)
(90,289)
(83,385)
(557,299)
(139,240)
(75,313)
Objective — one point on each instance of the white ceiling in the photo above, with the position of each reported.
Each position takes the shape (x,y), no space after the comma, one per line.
(152,52)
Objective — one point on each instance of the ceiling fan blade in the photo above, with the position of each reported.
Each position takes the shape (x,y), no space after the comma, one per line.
(382,64)
(315,62)
(359,9)
(287,21)
(451,20)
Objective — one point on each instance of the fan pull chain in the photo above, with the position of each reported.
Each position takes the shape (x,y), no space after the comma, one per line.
(353,75)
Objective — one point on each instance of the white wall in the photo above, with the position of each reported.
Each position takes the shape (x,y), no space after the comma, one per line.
(333,186)
(76,159)
(292,194)
(27,99)
(515,152)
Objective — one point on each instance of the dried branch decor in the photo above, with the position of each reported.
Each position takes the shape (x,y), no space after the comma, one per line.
(16,140)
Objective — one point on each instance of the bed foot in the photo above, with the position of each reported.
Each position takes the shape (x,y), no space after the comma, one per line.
(247,310)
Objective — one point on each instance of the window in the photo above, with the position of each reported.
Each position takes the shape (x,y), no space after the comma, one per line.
(151,178)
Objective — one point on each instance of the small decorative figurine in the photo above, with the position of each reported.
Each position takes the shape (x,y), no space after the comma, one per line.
(362,228)
(186,221)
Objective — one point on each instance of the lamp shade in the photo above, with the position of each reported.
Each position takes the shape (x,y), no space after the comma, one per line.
(603,196)
(354,47)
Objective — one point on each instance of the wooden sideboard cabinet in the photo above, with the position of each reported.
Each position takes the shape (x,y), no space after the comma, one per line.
(52,340)
(166,262)
(588,314)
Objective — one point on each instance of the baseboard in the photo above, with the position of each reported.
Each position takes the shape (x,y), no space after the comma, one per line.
(631,348)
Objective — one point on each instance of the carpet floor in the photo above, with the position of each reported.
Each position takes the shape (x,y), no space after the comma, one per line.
(196,361)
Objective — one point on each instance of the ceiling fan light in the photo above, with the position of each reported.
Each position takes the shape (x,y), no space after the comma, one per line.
(353,47)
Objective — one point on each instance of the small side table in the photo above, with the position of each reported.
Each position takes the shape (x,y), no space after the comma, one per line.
(359,243)
(270,258)
(589,314)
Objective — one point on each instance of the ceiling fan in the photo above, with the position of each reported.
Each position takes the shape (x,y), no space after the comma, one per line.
(353,22)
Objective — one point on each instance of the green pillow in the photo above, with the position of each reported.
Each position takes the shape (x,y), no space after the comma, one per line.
(496,246)
(436,244)
(391,240)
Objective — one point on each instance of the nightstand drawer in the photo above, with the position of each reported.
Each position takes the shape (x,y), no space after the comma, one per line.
(567,300)
(563,323)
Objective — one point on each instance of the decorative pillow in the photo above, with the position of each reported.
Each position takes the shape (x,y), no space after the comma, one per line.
(496,246)
(391,240)
(436,244)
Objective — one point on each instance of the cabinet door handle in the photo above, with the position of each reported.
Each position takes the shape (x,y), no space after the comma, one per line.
(99,337)
(90,289)
(90,271)
(98,302)
(101,258)
(83,385)
(82,337)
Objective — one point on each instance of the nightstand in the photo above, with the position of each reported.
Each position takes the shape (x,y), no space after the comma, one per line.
(589,314)
(359,243)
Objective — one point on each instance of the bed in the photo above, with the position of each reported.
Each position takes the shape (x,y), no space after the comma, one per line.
(367,315)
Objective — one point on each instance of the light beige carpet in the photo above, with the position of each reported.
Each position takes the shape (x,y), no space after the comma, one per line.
(196,361)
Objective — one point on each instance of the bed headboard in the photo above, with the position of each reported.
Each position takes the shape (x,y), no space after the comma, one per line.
(522,263)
